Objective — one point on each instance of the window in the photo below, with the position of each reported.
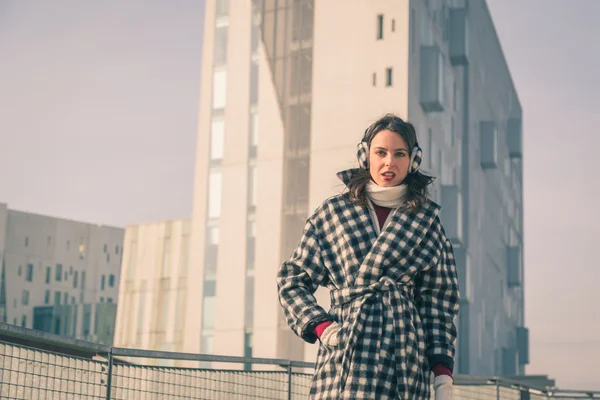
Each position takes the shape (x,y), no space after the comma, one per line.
(219,89)
(81,248)
(49,240)
(109,300)
(108,258)
(20,270)
(132,260)
(250,245)
(101,299)
(102,282)
(56,298)
(47,297)
(302,20)
(68,245)
(380,26)
(252,187)
(111,280)
(388,77)
(253,128)
(48,273)
(210,288)
(454,102)
(207,343)
(254,82)
(165,258)
(25,297)
(141,306)
(215,184)
(87,318)
(301,72)
(249,301)
(217,138)
(75,278)
(212,249)
(254,35)
(222,8)
(220,45)
(24,321)
(180,310)
(412,30)
(26,241)
(82,279)
(72,299)
(58,273)
(66,298)
(29,276)
(164,311)
(208,313)
(117,250)
(105,247)
(185,254)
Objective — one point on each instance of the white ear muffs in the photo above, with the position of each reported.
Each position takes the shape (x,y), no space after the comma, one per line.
(363,155)
(416,156)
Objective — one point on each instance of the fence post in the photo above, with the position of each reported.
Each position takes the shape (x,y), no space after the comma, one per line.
(497,390)
(290,380)
(109,377)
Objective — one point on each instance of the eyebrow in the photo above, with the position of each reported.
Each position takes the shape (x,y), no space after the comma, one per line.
(383,148)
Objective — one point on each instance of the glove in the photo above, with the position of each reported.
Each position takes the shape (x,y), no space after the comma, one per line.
(442,384)
(331,335)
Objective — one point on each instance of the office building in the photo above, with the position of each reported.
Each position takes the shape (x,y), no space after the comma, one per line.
(155,287)
(59,276)
(288,88)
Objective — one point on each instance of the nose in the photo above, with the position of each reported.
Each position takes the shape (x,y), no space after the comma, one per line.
(389,160)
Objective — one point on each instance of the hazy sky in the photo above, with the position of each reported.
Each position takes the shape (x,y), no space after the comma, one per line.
(98,112)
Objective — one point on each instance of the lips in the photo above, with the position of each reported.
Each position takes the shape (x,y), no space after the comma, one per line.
(388,176)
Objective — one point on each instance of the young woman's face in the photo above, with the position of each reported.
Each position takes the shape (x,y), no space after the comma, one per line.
(389,158)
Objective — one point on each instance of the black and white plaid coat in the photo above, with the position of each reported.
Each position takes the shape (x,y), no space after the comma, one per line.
(395,295)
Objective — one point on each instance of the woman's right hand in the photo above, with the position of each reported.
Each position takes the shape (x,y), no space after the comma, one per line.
(331,335)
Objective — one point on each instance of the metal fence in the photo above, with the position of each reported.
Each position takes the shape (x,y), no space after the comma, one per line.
(37,365)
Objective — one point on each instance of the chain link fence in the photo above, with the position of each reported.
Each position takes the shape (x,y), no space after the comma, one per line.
(38,365)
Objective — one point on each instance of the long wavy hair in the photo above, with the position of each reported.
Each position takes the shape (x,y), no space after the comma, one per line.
(417,183)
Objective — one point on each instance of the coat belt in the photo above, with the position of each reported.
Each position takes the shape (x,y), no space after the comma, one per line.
(394,295)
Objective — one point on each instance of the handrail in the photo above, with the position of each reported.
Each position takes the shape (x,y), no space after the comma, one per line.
(70,346)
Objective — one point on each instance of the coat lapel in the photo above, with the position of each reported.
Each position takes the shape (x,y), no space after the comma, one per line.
(399,238)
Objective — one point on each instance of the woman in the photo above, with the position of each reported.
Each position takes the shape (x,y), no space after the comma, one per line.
(381,250)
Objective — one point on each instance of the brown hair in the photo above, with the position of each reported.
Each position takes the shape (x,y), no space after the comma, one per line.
(417,183)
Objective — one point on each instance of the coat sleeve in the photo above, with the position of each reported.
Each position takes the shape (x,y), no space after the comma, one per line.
(437,299)
(297,280)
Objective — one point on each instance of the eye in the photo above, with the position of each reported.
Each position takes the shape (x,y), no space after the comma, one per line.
(380,153)
(401,154)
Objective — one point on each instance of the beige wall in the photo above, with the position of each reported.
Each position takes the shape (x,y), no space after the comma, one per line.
(231,267)
(154,273)
(345,102)
(198,224)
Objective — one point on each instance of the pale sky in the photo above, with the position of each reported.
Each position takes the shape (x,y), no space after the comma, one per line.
(98,113)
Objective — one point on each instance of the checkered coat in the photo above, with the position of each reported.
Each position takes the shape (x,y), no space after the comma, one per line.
(394,294)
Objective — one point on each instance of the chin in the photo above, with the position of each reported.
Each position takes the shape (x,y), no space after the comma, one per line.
(387,183)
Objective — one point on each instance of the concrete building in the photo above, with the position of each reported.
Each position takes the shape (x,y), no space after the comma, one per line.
(154,290)
(59,276)
(288,88)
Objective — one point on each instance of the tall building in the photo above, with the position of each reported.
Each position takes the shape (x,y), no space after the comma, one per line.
(288,88)
(154,287)
(59,276)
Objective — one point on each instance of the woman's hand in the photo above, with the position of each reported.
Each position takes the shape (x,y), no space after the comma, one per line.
(442,384)
(331,335)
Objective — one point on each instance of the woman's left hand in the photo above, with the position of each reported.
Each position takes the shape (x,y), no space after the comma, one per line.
(442,384)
